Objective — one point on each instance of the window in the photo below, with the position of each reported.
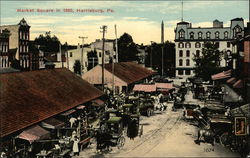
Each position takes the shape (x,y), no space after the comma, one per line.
(208,35)
(70,54)
(188,72)
(20,35)
(217,44)
(180,53)
(188,45)
(226,35)
(197,45)
(100,54)
(197,53)
(228,44)
(180,72)
(217,35)
(199,35)
(191,35)
(187,53)
(187,62)
(180,62)
(181,34)
(236,30)
(180,45)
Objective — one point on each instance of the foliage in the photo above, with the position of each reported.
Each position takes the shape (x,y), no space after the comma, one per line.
(15,64)
(127,50)
(168,57)
(47,42)
(92,56)
(77,67)
(208,63)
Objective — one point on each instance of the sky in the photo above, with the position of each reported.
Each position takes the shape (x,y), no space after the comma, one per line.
(140,19)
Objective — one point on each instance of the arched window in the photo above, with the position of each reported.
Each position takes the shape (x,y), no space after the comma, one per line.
(180,62)
(217,35)
(181,34)
(187,45)
(180,45)
(188,62)
(187,53)
(197,45)
(180,53)
(208,35)
(191,35)
(226,35)
(197,53)
(199,35)
(236,30)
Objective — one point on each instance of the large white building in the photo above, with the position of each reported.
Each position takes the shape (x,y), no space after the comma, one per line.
(190,41)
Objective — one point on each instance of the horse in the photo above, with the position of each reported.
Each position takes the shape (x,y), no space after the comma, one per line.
(207,134)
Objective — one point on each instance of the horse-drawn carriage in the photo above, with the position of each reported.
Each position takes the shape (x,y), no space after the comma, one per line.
(110,134)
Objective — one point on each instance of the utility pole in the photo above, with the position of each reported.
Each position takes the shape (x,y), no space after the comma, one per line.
(103,30)
(113,65)
(162,41)
(151,54)
(60,50)
(81,37)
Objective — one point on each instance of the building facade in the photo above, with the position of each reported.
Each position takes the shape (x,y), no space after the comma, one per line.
(19,39)
(4,48)
(190,40)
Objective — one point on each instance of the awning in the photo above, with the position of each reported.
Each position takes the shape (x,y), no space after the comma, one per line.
(164,85)
(34,133)
(98,102)
(238,84)
(230,95)
(144,88)
(80,107)
(231,80)
(222,75)
(68,112)
(52,123)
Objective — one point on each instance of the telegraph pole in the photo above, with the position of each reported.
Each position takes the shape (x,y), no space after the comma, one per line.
(162,41)
(81,37)
(103,30)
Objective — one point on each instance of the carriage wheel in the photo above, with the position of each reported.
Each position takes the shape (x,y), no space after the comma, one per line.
(120,142)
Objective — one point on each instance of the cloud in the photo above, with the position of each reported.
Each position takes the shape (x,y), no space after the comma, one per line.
(134,18)
(93,18)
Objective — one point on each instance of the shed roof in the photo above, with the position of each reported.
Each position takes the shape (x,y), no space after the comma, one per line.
(129,71)
(30,97)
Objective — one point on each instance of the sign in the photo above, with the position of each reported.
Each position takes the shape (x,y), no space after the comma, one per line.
(240,126)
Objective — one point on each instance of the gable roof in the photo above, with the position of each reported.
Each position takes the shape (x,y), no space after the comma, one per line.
(30,97)
(129,71)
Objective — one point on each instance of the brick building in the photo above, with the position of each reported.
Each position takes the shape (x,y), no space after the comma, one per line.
(19,40)
(4,48)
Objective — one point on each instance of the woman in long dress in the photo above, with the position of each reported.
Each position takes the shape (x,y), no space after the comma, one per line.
(75,146)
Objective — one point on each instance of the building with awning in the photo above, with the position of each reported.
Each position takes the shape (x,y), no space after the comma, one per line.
(29,98)
(222,75)
(125,74)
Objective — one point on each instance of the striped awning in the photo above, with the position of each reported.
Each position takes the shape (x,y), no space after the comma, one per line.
(144,88)
(238,84)
(222,75)
(164,85)
(34,133)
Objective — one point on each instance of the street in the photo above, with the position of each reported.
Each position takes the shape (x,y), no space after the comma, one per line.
(165,134)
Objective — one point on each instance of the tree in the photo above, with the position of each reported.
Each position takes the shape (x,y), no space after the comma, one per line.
(208,63)
(127,48)
(77,67)
(49,44)
(92,59)
(168,57)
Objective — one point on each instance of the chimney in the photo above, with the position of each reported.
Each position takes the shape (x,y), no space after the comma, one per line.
(78,46)
(217,24)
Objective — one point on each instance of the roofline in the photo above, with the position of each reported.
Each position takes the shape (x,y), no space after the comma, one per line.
(209,28)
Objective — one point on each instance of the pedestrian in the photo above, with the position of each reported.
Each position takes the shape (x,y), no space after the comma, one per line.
(72,120)
(75,146)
